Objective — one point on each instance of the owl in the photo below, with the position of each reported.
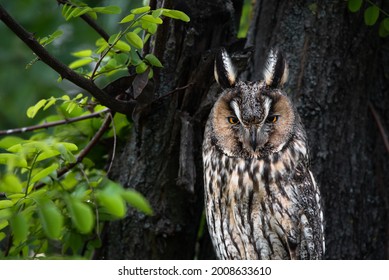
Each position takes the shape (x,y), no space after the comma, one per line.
(261,199)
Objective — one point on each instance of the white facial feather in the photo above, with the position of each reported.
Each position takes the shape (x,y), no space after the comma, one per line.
(235,107)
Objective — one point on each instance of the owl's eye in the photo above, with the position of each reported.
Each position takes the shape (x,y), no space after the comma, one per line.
(272,118)
(233,120)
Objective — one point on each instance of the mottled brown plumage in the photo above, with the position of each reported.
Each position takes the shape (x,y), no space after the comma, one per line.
(261,199)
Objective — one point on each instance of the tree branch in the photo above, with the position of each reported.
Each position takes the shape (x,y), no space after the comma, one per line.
(51,124)
(62,69)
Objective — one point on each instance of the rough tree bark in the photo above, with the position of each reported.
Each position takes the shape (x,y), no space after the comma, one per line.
(337,79)
(162,159)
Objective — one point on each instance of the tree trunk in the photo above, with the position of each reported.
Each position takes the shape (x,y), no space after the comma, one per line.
(335,73)
(162,158)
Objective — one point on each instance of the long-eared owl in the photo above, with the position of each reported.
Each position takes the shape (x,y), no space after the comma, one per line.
(261,199)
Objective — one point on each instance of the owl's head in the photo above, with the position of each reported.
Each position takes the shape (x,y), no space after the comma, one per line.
(252,119)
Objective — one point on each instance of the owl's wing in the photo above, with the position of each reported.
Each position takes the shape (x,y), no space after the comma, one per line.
(311,222)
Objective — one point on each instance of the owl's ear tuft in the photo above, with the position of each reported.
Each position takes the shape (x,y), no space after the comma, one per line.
(276,69)
(224,71)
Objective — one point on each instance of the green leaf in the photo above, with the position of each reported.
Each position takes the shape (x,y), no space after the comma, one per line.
(122,46)
(383,30)
(73,240)
(50,218)
(6,204)
(67,10)
(16,197)
(71,106)
(140,10)
(33,110)
(93,15)
(151,74)
(81,215)
(137,200)
(65,97)
(153,60)
(134,40)
(371,15)
(128,18)
(10,184)
(80,62)
(13,160)
(120,122)
(50,103)
(47,154)
(176,15)
(108,10)
(19,227)
(157,13)
(150,18)
(2,236)
(10,141)
(47,40)
(141,68)
(3,224)
(5,213)
(65,152)
(72,11)
(68,146)
(151,28)
(44,173)
(354,5)
(80,11)
(122,58)
(56,34)
(113,203)
(79,96)
(385,22)
(110,198)
(29,147)
(82,53)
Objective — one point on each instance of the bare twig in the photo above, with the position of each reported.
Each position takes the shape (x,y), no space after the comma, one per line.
(96,27)
(104,127)
(51,124)
(380,126)
(61,68)
(114,146)
(173,91)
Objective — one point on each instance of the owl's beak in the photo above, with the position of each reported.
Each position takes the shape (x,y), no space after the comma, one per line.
(253,138)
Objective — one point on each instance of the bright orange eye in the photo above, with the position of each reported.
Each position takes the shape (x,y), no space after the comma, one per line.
(233,120)
(273,118)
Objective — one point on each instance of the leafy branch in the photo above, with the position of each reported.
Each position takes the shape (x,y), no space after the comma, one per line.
(371,15)
(96,138)
(51,196)
(89,20)
(63,70)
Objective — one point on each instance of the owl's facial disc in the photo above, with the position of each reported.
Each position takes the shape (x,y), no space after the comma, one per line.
(252,121)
